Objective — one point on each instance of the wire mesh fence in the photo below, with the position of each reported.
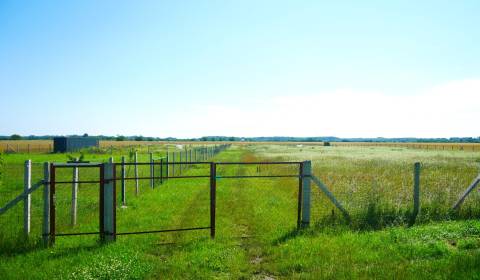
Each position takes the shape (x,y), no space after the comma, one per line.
(377,194)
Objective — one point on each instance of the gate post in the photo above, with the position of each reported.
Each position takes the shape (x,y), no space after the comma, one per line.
(51,204)
(213,188)
(306,173)
(46,204)
(108,202)
(27,201)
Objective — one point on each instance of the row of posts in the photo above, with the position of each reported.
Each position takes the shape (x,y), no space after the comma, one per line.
(172,164)
(181,157)
(210,151)
(107,223)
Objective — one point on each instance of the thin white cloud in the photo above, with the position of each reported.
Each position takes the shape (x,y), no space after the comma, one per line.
(445,110)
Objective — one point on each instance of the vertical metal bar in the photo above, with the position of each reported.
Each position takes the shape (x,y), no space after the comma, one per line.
(213,188)
(52,204)
(101,202)
(46,204)
(300,184)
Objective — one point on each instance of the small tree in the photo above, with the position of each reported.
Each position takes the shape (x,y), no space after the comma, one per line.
(138,138)
(120,138)
(15,137)
(85,135)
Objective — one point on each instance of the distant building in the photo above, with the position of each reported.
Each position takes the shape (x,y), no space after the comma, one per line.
(72,144)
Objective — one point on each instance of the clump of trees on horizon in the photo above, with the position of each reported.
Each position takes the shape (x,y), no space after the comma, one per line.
(260,139)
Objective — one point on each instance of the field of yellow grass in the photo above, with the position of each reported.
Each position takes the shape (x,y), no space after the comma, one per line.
(44,146)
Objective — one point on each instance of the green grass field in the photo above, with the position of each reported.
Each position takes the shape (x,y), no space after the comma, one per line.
(256,221)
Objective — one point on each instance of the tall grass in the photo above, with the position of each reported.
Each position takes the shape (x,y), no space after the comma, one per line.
(375,184)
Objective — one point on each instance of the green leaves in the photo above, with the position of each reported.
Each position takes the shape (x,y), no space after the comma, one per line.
(74,159)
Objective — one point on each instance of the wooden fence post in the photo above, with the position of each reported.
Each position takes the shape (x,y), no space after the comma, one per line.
(152,172)
(306,173)
(135,159)
(124,194)
(46,204)
(27,184)
(416,192)
(74,195)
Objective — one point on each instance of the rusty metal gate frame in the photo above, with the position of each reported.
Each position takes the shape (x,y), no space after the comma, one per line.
(52,197)
(213,181)
(211,227)
(300,177)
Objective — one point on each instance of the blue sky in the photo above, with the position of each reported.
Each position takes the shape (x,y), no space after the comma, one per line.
(241,68)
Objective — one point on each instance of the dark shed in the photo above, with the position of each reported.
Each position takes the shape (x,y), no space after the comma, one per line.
(72,144)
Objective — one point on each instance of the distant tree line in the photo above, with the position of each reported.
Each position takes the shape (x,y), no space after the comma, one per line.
(261,139)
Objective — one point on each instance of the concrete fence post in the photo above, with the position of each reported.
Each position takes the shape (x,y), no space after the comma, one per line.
(108,211)
(416,192)
(27,184)
(74,194)
(152,172)
(306,191)
(46,204)
(135,159)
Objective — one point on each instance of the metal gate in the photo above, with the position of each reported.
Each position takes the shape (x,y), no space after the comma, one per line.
(107,192)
